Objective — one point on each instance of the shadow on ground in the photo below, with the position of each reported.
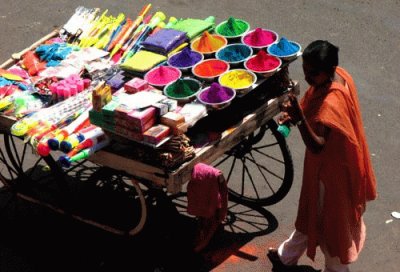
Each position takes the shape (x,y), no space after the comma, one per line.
(34,238)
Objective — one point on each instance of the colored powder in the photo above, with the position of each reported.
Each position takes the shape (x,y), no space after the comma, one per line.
(216,94)
(234,53)
(162,75)
(260,37)
(143,61)
(208,43)
(182,88)
(185,58)
(233,27)
(194,27)
(237,79)
(263,62)
(164,41)
(210,68)
(283,48)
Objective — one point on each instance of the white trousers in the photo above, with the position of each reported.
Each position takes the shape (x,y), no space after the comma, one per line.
(295,246)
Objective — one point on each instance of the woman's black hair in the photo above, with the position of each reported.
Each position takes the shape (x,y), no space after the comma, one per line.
(322,55)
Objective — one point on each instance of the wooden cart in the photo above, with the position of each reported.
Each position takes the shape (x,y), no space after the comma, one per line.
(251,152)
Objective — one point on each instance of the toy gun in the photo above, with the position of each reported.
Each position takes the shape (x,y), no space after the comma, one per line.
(74,139)
(87,38)
(88,143)
(79,123)
(66,161)
(105,36)
(39,141)
(124,37)
(157,18)
(130,43)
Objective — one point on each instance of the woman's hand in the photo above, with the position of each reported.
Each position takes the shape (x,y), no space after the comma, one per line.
(291,110)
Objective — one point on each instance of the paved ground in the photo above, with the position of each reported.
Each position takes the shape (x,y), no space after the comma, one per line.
(368,34)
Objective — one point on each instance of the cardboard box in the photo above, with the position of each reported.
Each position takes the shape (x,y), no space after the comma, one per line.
(156,134)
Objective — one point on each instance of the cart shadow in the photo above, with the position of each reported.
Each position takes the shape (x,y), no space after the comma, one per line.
(33,238)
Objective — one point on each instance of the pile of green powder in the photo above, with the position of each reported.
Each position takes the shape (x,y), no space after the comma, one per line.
(233,27)
(182,88)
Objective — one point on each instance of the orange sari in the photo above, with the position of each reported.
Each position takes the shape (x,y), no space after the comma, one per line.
(344,168)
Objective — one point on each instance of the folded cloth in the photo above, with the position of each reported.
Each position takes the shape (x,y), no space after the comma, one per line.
(143,61)
(207,192)
(195,27)
(164,40)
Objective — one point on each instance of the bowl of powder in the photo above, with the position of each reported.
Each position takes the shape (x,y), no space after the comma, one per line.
(183,90)
(210,69)
(263,64)
(260,38)
(238,79)
(185,59)
(235,54)
(208,44)
(162,75)
(232,28)
(216,96)
(285,49)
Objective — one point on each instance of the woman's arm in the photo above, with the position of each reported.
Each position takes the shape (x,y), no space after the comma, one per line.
(313,139)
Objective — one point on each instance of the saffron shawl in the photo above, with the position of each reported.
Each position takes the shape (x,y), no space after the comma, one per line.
(344,168)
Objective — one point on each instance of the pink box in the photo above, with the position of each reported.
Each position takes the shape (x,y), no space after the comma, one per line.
(140,117)
(135,127)
(122,111)
(136,85)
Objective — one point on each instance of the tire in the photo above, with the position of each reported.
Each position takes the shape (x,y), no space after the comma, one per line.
(259,170)
(17,160)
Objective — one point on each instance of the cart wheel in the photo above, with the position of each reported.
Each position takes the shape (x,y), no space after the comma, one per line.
(241,219)
(259,170)
(17,160)
(129,191)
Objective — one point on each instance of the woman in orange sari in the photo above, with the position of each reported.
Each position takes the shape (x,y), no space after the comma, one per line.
(338,178)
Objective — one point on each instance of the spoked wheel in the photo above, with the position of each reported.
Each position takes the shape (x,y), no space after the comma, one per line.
(259,170)
(7,173)
(17,160)
(241,219)
(121,198)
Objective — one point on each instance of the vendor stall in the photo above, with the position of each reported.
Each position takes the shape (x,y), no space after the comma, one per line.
(149,98)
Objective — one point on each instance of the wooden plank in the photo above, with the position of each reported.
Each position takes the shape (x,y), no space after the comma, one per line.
(17,56)
(130,166)
(6,122)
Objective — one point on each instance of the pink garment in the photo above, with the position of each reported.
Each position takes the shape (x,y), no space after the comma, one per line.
(207,192)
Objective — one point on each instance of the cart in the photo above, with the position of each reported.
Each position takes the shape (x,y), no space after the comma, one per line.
(253,155)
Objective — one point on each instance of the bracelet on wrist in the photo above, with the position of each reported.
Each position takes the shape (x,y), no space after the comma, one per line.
(300,122)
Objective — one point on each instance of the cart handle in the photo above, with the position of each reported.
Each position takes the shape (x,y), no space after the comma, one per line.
(17,56)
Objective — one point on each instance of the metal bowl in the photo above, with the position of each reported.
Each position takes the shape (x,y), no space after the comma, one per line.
(184,69)
(286,57)
(257,48)
(208,79)
(208,54)
(185,99)
(266,73)
(160,85)
(235,47)
(239,90)
(216,106)
(236,37)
